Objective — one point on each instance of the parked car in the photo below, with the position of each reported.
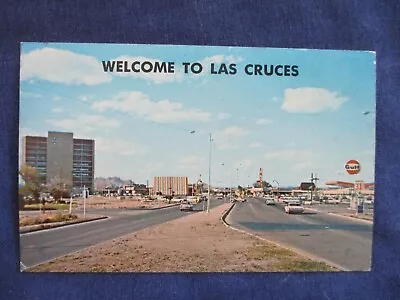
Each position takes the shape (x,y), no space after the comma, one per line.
(332,201)
(294,208)
(186,206)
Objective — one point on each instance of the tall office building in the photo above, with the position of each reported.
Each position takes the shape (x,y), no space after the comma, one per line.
(169,185)
(60,157)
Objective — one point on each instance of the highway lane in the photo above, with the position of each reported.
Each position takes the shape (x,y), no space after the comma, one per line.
(342,241)
(41,246)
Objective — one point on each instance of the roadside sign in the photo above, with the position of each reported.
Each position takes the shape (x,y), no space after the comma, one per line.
(352,167)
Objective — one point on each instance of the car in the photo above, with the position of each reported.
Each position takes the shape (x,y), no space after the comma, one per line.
(332,201)
(294,208)
(270,201)
(185,206)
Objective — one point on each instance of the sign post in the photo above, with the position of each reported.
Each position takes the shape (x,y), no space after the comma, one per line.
(84,201)
(70,205)
(353,167)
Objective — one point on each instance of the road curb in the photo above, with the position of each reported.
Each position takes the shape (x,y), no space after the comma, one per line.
(343,216)
(304,254)
(38,228)
(155,208)
(352,218)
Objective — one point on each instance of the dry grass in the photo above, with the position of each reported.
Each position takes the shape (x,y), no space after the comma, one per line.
(46,219)
(47,206)
(195,243)
(114,202)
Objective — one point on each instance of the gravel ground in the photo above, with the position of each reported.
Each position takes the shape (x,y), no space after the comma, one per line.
(194,243)
(114,202)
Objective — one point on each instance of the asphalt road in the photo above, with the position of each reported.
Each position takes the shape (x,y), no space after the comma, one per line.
(345,242)
(41,246)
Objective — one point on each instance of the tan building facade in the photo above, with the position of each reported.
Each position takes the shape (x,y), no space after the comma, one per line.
(169,185)
(60,157)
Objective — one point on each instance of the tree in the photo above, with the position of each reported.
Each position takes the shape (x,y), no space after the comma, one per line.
(59,189)
(263,184)
(34,183)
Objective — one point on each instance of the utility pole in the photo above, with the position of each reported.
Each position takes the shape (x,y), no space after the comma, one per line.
(314,185)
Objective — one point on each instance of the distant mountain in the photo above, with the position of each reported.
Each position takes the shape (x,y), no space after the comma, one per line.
(101,182)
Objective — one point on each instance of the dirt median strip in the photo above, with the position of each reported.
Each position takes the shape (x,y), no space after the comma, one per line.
(45,226)
(194,243)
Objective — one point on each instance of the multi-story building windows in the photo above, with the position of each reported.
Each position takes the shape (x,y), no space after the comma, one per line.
(169,185)
(61,157)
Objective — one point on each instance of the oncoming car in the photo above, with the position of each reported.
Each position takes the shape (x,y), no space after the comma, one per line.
(186,206)
(270,201)
(294,208)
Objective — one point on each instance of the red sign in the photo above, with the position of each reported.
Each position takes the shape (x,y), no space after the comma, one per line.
(352,167)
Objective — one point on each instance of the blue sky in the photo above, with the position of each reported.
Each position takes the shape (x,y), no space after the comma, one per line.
(290,126)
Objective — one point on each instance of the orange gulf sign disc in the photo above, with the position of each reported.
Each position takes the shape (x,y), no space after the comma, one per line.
(352,167)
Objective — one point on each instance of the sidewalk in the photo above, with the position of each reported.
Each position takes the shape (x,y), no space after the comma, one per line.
(197,242)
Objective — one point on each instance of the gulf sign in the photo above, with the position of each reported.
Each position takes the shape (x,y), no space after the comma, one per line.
(352,167)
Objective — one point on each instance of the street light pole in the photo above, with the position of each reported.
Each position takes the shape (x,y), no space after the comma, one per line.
(209,176)
(278,187)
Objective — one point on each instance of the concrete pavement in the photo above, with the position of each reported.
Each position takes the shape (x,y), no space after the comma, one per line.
(41,246)
(344,242)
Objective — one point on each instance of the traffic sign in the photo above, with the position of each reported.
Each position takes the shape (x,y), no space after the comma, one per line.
(352,167)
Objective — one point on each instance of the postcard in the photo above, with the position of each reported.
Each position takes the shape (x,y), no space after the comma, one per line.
(170,158)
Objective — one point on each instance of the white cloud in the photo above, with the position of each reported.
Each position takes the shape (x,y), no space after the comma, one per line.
(243,164)
(255,145)
(217,60)
(230,137)
(140,104)
(290,155)
(62,66)
(84,123)
(220,58)
(311,100)
(151,167)
(158,77)
(30,95)
(24,131)
(57,110)
(223,116)
(192,162)
(118,146)
(85,98)
(263,121)
(303,166)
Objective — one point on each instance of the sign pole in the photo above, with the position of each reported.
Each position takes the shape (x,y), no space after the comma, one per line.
(84,202)
(70,205)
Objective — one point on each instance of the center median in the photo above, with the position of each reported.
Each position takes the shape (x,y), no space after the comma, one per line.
(194,243)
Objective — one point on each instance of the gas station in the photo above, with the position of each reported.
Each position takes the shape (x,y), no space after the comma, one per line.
(357,190)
